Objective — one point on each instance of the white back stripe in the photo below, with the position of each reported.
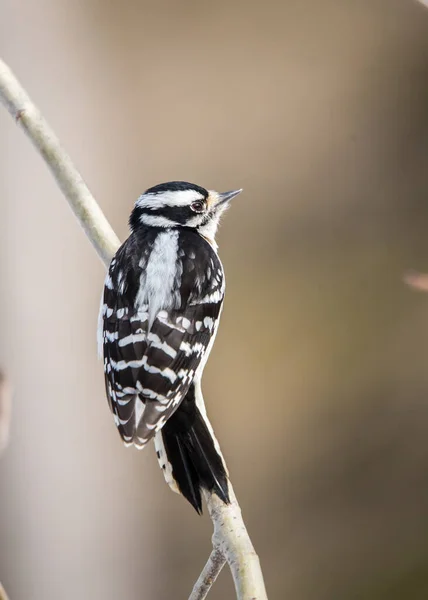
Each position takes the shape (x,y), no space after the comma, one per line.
(157,281)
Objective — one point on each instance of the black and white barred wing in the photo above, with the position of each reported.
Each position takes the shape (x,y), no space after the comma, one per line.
(148,371)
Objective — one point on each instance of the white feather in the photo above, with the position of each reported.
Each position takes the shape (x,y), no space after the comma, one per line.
(158,283)
(100,327)
(164,462)
(168,198)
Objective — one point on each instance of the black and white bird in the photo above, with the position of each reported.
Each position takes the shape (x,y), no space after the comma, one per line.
(159,315)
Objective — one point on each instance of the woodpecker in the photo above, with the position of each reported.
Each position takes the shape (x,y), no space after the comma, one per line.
(159,315)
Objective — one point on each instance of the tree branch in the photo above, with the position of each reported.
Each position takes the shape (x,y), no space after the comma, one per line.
(231,538)
(209,574)
(231,541)
(83,204)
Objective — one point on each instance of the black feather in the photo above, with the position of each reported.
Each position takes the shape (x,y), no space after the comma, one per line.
(191,452)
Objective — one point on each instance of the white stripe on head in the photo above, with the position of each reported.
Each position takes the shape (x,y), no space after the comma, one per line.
(156,221)
(168,198)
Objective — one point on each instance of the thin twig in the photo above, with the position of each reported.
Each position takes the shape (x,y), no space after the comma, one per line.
(230,538)
(83,204)
(209,574)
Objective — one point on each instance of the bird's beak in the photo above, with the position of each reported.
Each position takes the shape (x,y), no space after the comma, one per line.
(227,196)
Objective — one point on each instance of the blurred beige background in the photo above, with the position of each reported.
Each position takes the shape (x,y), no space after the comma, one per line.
(318,383)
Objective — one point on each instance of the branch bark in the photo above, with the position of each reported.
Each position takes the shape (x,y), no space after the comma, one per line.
(80,199)
(231,538)
(231,541)
(209,574)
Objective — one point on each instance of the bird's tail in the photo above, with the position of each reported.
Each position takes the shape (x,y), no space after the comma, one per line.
(188,456)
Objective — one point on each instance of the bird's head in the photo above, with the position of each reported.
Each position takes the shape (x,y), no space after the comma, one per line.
(181,204)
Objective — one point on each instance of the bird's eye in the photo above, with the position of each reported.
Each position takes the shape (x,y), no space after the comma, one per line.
(197,206)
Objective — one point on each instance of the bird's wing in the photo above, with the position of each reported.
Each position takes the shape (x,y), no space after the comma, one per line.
(148,374)
(150,360)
